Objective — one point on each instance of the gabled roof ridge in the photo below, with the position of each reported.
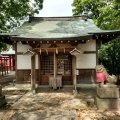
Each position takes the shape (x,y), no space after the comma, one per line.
(64,18)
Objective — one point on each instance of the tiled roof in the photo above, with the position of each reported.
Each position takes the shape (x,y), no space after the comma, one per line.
(56,28)
(49,28)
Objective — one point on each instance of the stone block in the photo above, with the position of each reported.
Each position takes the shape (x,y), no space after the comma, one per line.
(108,92)
(0,90)
(2,98)
(2,101)
(107,104)
(108,85)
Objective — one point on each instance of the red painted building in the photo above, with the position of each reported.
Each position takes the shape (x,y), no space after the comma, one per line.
(7,61)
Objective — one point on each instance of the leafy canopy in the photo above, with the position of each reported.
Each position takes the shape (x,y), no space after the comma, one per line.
(109,56)
(13,11)
(105,13)
(3,46)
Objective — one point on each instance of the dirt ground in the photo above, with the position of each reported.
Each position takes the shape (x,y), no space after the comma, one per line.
(69,102)
(90,113)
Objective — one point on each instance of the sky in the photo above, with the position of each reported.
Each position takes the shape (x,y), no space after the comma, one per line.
(56,8)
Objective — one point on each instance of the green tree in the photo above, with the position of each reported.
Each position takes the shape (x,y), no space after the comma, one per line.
(109,56)
(106,15)
(12,12)
(90,6)
(3,46)
(109,17)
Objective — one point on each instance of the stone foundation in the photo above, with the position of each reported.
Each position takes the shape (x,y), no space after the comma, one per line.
(107,104)
(0,90)
(2,101)
(108,92)
(108,97)
(2,98)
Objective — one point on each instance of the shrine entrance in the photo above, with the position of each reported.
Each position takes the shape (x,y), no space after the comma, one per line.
(56,66)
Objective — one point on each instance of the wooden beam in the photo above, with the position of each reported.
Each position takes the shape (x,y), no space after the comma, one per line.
(55,72)
(51,40)
(53,49)
(74,74)
(16,73)
(73,68)
(39,67)
(33,73)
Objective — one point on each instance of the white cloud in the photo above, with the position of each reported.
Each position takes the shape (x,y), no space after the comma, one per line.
(55,8)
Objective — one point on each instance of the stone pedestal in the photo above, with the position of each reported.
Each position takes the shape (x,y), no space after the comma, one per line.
(2,98)
(0,89)
(106,91)
(108,97)
(107,104)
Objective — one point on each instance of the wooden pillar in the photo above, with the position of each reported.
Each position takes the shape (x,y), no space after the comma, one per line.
(16,72)
(7,68)
(39,67)
(33,73)
(3,61)
(97,51)
(0,66)
(4,65)
(2,70)
(10,63)
(55,72)
(74,71)
(7,65)
(13,62)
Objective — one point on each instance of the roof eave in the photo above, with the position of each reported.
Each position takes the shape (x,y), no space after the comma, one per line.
(18,38)
(106,32)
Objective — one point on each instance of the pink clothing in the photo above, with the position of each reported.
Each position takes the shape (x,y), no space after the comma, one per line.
(101,77)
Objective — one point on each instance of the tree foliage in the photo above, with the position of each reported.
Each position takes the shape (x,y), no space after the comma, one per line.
(13,11)
(105,13)
(3,46)
(90,6)
(109,56)
(109,17)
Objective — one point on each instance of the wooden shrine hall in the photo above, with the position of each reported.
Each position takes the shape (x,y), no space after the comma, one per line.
(57,51)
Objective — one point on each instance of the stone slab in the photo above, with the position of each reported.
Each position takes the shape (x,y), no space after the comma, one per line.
(12,98)
(108,85)
(106,92)
(0,90)
(2,101)
(49,114)
(107,104)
